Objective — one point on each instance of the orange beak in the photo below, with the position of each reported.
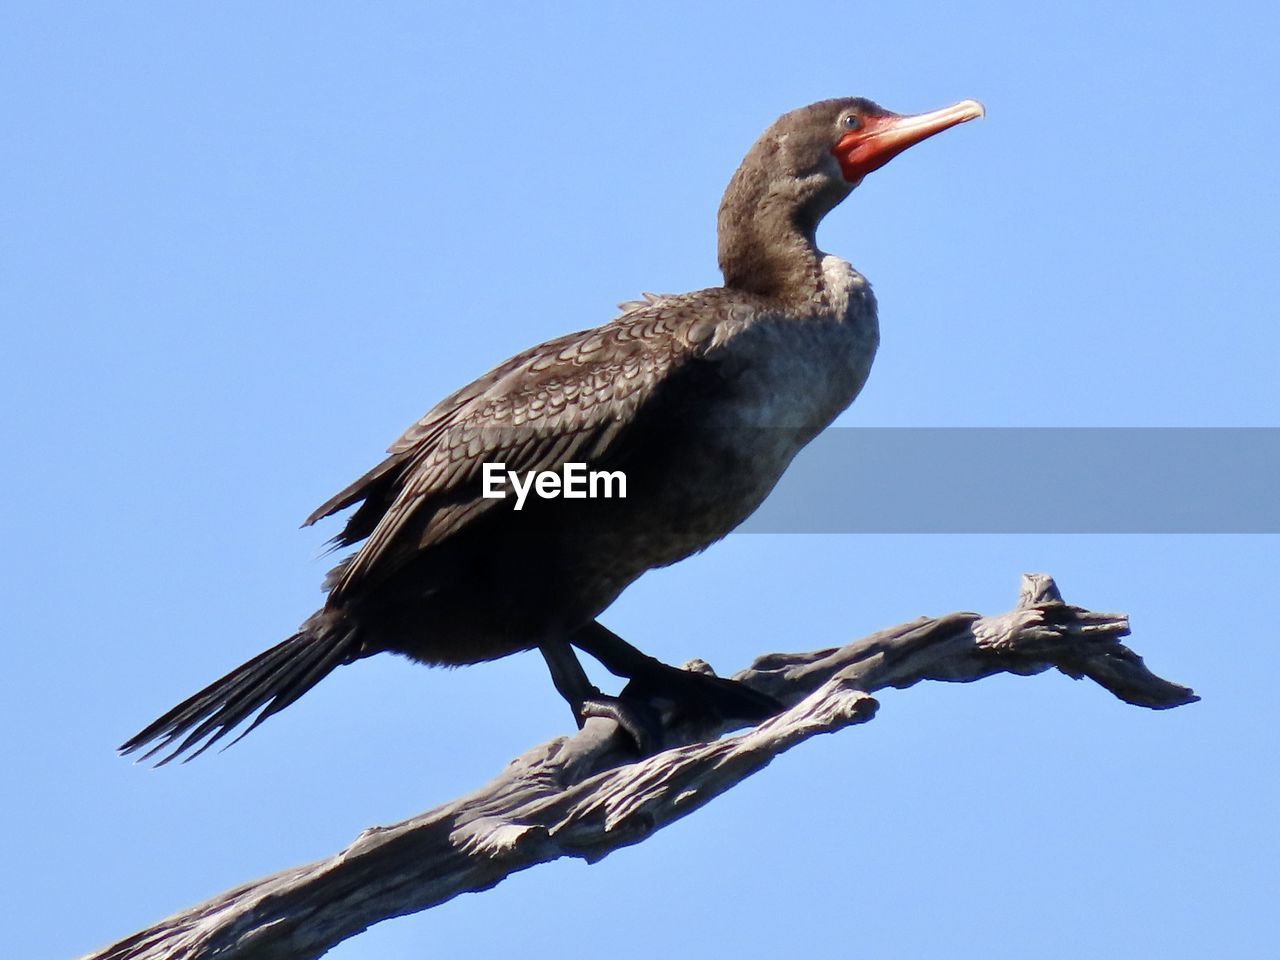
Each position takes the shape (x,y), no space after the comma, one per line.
(883,137)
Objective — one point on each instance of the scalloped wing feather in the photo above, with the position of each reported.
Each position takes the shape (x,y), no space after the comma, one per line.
(568,399)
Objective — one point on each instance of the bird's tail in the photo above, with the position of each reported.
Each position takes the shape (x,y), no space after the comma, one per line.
(272,680)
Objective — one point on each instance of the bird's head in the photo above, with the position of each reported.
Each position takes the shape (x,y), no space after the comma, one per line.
(868,136)
(810,159)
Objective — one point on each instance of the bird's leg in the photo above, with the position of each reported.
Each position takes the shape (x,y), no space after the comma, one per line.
(697,691)
(568,676)
(637,720)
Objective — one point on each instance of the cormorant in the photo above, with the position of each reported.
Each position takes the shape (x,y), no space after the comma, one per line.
(700,400)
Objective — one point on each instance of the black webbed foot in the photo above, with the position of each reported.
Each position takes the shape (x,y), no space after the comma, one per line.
(702,695)
(694,695)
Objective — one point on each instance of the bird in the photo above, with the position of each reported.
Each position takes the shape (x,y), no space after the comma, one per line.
(697,401)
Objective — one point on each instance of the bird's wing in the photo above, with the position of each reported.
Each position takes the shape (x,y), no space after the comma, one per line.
(570,399)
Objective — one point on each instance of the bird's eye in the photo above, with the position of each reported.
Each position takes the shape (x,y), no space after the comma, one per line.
(851,122)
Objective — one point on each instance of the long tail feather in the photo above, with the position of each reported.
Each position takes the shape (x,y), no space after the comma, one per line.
(269,682)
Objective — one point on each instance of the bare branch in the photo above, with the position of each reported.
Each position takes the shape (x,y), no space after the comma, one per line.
(585,796)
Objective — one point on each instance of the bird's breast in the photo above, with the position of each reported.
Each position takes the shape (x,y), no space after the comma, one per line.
(783,377)
(794,371)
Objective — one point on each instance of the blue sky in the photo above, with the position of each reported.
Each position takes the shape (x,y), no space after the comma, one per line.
(244,245)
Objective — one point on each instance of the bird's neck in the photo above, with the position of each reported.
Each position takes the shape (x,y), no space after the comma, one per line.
(766,234)
(770,256)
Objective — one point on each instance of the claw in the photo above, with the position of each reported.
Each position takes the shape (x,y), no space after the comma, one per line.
(634,717)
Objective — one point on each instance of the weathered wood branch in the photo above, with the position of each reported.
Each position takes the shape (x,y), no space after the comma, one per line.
(586,796)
